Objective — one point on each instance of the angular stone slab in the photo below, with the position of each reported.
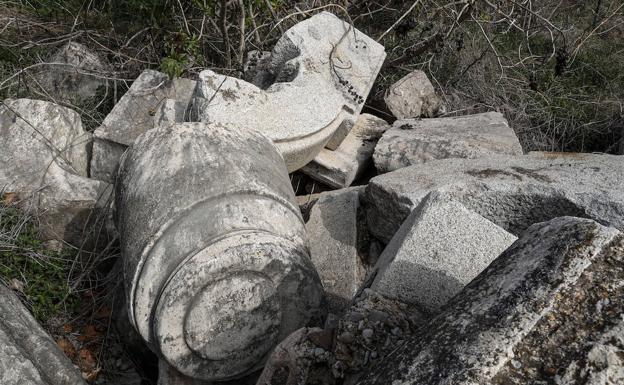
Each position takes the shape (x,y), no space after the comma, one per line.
(471,136)
(216,265)
(339,168)
(44,160)
(413,96)
(28,355)
(546,309)
(438,250)
(135,113)
(332,230)
(512,192)
(322,70)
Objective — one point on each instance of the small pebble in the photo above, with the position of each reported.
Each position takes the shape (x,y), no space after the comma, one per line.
(355,317)
(319,351)
(367,333)
(346,338)
(397,332)
(373,355)
(361,325)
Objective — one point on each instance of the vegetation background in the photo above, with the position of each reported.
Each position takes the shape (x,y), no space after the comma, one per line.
(554,68)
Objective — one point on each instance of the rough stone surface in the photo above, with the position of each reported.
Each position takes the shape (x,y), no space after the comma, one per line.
(413,97)
(137,111)
(339,168)
(512,192)
(43,159)
(215,260)
(332,230)
(418,141)
(73,72)
(28,355)
(373,328)
(322,73)
(548,310)
(438,250)
(256,69)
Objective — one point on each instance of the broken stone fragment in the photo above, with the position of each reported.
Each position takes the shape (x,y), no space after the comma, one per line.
(339,168)
(137,112)
(438,250)
(414,141)
(73,73)
(548,310)
(513,192)
(322,70)
(413,97)
(28,355)
(44,160)
(332,230)
(215,260)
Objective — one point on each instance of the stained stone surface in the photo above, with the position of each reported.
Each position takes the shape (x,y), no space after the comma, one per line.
(438,250)
(412,141)
(44,159)
(332,230)
(339,168)
(512,192)
(135,113)
(216,265)
(413,96)
(28,355)
(73,72)
(548,310)
(322,70)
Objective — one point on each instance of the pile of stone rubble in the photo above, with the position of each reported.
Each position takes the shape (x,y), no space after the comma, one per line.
(464,261)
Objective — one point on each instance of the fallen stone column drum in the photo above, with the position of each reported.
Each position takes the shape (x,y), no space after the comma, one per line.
(216,264)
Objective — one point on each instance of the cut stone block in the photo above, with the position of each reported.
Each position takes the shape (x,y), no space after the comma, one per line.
(216,265)
(340,167)
(43,159)
(413,97)
(322,69)
(513,192)
(438,250)
(418,141)
(548,310)
(28,355)
(136,112)
(332,230)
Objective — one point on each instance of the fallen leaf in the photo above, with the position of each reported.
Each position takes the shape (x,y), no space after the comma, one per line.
(9,198)
(86,361)
(67,347)
(90,334)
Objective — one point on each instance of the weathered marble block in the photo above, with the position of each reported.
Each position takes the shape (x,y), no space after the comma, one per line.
(413,96)
(547,311)
(511,191)
(136,112)
(438,250)
(323,70)
(215,260)
(412,141)
(73,73)
(333,232)
(340,167)
(28,355)
(44,161)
